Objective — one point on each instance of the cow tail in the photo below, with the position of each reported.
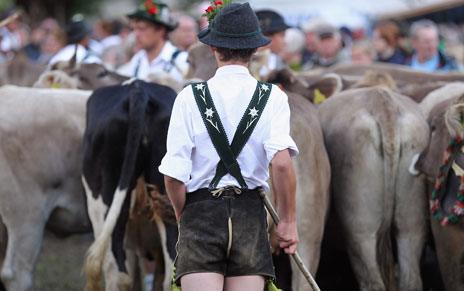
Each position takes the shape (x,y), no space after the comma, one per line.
(390,146)
(97,251)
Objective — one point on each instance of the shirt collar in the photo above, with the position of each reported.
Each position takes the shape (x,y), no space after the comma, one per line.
(165,54)
(232,69)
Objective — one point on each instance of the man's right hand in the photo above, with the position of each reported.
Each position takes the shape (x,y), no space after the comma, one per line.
(287,236)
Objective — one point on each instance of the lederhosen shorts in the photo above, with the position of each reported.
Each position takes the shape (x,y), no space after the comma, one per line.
(209,242)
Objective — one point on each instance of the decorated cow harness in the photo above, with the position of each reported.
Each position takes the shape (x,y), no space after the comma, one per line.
(437,201)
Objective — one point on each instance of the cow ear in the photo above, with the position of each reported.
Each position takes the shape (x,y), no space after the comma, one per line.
(284,77)
(325,87)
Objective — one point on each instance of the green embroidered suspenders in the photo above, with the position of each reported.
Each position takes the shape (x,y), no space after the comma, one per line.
(227,152)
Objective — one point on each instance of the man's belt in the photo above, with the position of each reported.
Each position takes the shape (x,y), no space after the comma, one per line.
(222,193)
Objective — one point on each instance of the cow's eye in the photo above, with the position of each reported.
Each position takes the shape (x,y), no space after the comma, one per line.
(102,74)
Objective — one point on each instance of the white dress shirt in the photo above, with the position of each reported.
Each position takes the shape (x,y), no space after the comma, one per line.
(140,67)
(191,157)
(83,55)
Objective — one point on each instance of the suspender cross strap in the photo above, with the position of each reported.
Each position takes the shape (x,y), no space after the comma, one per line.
(228,153)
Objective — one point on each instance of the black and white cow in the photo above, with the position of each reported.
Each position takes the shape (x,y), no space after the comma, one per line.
(124,142)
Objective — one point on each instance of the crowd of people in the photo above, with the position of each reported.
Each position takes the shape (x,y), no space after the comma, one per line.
(136,47)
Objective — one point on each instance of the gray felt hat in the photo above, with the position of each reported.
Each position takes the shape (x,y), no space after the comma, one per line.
(235,27)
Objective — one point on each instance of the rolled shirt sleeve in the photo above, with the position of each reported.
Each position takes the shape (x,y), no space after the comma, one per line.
(177,162)
(279,133)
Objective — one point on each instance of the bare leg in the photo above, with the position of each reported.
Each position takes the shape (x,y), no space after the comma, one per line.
(203,282)
(251,283)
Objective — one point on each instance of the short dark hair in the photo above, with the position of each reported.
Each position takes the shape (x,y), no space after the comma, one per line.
(243,55)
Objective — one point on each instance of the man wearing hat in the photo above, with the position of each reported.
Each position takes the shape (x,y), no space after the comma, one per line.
(328,48)
(222,137)
(77,34)
(152,22)
(273,26)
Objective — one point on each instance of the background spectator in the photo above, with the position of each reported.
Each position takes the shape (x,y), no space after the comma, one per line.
(186,32)
(294,46)
(427,57)
(328,48)
(362,52)
(385,40)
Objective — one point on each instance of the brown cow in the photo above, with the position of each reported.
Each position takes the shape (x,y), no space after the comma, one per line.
(412,83)
(20,71)
(313,179)
(371,135)
(445,120)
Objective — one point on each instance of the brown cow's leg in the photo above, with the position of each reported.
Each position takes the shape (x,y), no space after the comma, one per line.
(410,225)
(449,241)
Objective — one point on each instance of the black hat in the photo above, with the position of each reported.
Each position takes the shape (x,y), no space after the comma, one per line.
(155,12)
(77,29)
(235,27)
(271,21)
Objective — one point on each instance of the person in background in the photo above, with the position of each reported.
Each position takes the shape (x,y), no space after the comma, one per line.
(107,33)
(185,35)
(152,22)
(328,48)
(362,52)
(427,56)
(294,46)
(13,34)
(39,35)
(309,28)
(273,26)
(78,38)
(53,42)
(385,38)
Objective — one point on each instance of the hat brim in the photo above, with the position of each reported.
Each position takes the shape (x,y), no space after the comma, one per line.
(276,29)
(208,37)
(142,15)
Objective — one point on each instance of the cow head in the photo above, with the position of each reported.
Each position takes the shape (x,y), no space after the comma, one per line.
(442,161)
(89,76)
(202,64)
(445,121)
(313,86)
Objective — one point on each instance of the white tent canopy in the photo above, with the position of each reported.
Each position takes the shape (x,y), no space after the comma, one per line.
(352,13)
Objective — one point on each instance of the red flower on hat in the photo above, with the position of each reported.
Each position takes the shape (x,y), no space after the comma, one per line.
(214,8)
(152,10)
(151,7)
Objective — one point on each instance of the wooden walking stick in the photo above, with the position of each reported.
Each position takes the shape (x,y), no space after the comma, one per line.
(296,257)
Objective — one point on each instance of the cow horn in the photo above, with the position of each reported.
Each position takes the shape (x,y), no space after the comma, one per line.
(454,119)
(73,60)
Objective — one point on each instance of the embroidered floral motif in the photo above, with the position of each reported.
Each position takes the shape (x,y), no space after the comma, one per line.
(209,112)
(253,112)
(437,210)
